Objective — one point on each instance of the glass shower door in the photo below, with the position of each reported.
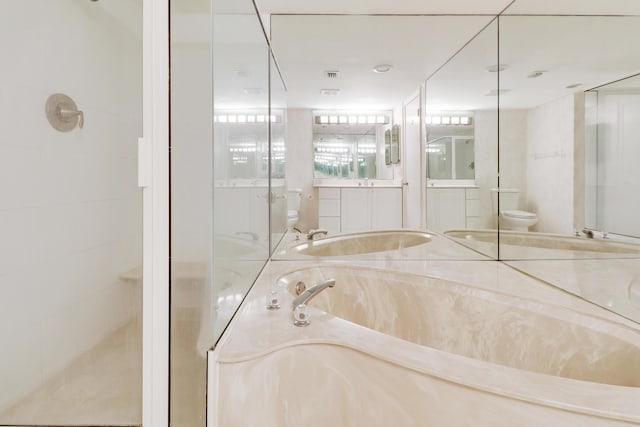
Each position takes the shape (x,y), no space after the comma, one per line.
(70,212)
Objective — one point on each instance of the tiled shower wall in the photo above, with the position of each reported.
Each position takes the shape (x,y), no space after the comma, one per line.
(70,208)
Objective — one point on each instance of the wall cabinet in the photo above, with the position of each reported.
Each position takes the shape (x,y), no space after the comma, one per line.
(350,210)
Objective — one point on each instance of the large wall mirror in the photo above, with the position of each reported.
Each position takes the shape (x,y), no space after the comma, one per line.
(568,116)
(352,145)
(349,149)
(553,123)
(515,156)
(461,147)
(241,135)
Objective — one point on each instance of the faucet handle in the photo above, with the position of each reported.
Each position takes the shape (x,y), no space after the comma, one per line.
(273,300)
(301,315)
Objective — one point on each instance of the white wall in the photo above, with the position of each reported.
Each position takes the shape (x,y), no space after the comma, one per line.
(486,162)
(70,209)
(550,164)
(513,151)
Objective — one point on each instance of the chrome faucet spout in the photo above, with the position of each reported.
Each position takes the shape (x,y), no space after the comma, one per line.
(313,233)
(588,233)
(310,293)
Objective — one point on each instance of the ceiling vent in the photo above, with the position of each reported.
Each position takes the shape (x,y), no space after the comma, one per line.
(332,74)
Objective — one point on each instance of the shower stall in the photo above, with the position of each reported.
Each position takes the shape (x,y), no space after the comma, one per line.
(70,212)
(91,150)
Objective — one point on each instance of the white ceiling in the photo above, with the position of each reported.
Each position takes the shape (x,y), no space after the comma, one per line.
(570,50)
(414,7)
(467,7)
(306,46)
(575,7)
(587,50)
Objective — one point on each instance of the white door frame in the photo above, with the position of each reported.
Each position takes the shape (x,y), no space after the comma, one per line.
(154,178)
(419,94)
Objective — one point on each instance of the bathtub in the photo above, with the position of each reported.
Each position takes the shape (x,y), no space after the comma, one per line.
(387,348)
(532,245)
(380,244)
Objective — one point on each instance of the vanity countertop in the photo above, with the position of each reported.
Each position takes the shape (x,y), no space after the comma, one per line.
(356,183)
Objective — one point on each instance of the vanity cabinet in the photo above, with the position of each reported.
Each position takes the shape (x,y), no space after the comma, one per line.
(329,209)
(364,209)
(452,208)
(350,210)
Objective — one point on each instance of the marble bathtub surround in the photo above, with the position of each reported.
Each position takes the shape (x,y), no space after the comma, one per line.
(532,245)
(451,362)
(607,282)
(387,244)
(483,325)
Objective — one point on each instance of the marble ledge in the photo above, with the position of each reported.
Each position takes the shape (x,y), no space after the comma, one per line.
(244,342)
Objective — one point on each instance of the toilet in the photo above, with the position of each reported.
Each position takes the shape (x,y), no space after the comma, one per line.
(293,206)
(511,218)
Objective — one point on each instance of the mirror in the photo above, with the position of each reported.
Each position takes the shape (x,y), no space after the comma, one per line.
(461,144)
(527,148)
(351,145)
(612,178)
(351,178)
(394,156)
(242,126)
(565,132)
(387,147)
(562,154)
(278,128)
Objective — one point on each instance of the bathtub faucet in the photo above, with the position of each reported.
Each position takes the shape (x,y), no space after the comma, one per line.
(299,305)
(312,233)
(588,233)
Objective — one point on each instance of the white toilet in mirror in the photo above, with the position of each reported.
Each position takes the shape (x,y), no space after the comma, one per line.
(293,206)
(511,218)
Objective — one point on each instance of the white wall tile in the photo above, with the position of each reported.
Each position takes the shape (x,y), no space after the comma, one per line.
(550,141)
(70,210)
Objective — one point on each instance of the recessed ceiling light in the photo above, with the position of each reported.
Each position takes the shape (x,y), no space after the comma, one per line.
(496,92)
(573,86)
(535,74)
(329,92)
(253,91)
(497,67)
(382,68)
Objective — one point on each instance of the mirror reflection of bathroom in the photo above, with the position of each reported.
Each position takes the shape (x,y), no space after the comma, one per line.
(355,133)
(351,145)
(562,144)
(461,142)
(507,153)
